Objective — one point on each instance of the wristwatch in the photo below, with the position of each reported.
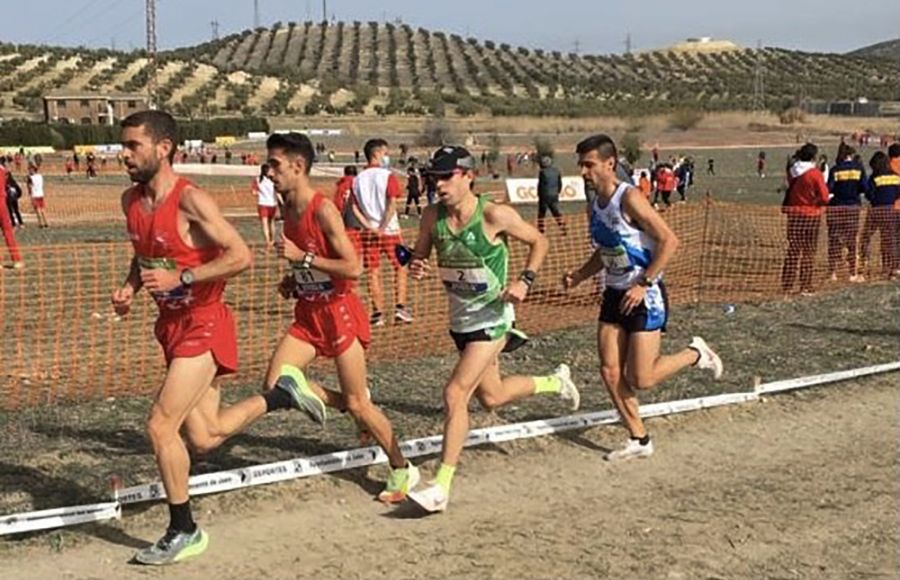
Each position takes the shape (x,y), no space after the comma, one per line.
(187,278)
(647,282)
(528,276)
(307,260)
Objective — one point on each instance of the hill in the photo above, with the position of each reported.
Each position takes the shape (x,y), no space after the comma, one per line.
(887,49)
(347,68)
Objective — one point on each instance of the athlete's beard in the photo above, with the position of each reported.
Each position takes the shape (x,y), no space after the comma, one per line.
(146,173)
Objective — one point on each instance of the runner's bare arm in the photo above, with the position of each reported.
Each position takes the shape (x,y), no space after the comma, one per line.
(134,272)
(638,208)
(503,219)
(587,270)
(389,212)
(348,265)
(201,210)
(419,266)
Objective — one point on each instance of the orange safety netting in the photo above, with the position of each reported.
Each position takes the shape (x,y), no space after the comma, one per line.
(62,342)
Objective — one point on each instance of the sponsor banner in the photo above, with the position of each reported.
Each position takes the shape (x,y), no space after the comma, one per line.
(257,136)
(192,143)
(521,190)
(59,517)
(12,150)
(225,140)
(98,149)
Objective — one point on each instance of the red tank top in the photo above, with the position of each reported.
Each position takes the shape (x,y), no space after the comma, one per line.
(313,285)
(157,244)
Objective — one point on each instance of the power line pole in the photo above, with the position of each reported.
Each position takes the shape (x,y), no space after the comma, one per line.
(214,25)
(759,82)
(151,51)
(324,10)
(628,43)
(255,14)
(577,46)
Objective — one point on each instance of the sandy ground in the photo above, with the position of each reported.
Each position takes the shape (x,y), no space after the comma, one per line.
(798,486)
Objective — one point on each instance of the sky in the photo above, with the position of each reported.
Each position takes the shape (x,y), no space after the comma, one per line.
(585,26)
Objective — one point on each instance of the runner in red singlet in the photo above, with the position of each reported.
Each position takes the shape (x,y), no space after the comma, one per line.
(329,318)
(184,251)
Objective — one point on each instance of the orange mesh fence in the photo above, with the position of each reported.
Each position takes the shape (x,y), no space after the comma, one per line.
(61,341)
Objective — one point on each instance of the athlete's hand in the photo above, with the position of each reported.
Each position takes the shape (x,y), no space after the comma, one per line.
(288,249)
(515,292)
(570,280)
(632,298)
(122,299)
(287,286)
(160,280)
(418,268)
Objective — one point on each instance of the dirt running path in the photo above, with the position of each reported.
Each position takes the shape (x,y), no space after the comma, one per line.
(799,486)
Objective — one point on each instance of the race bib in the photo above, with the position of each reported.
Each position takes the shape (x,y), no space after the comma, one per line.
(310,281)
(173,296)
(615,259)
(465,280)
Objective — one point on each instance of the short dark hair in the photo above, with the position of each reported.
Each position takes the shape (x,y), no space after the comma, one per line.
(350,170)
(158,124)
(293,144)
(808,152)
(371,145)
(880,163)
(894,150)
(602,144)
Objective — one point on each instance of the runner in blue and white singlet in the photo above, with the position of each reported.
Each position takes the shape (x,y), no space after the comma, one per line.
(633,247)
(626,252)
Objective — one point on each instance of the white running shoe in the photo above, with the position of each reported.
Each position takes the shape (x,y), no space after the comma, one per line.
(567,391)
(432,499)
(708,358)
(632,450)
(857,278)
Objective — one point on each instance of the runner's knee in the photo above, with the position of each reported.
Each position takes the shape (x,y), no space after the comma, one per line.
(357,405)
(611,375)
(455,396)
(489,401)
(202,444)
(641,381)
(161,427)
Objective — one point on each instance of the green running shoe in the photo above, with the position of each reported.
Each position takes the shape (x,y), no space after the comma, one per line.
(173,547)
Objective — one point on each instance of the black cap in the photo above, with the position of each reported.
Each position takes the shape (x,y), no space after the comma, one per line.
(450,158)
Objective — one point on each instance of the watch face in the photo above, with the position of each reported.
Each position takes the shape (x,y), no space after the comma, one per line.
(187,277)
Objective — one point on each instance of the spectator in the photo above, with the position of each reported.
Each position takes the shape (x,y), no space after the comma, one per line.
(91,166)
(883,192)
(683,175)
(70,167)
(510,164)
(430,188)
(846,182)
(894,157)
(13,194)
(266,204)
(356,156)
(8,233)
(644,184)
(36,191)
(343,200)
(761,165)
(824,168)
(548,187)
(77,160)
(710,166)
(375,192)
(665,184)
(804,200)
(413,188)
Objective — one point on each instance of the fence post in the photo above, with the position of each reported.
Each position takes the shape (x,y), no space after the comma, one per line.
(707,202)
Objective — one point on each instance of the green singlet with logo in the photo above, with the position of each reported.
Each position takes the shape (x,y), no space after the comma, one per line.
(473,271)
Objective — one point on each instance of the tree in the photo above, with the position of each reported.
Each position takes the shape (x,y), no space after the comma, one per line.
(631,147)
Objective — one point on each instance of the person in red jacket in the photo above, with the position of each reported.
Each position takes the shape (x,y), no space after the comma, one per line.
(6,223)
(804,202)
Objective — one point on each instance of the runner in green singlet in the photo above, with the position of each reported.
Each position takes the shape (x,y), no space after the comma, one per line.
(469,234)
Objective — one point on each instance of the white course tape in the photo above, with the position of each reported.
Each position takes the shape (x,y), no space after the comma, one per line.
(365,456)
(362,457)
(58,517)
(812,380)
